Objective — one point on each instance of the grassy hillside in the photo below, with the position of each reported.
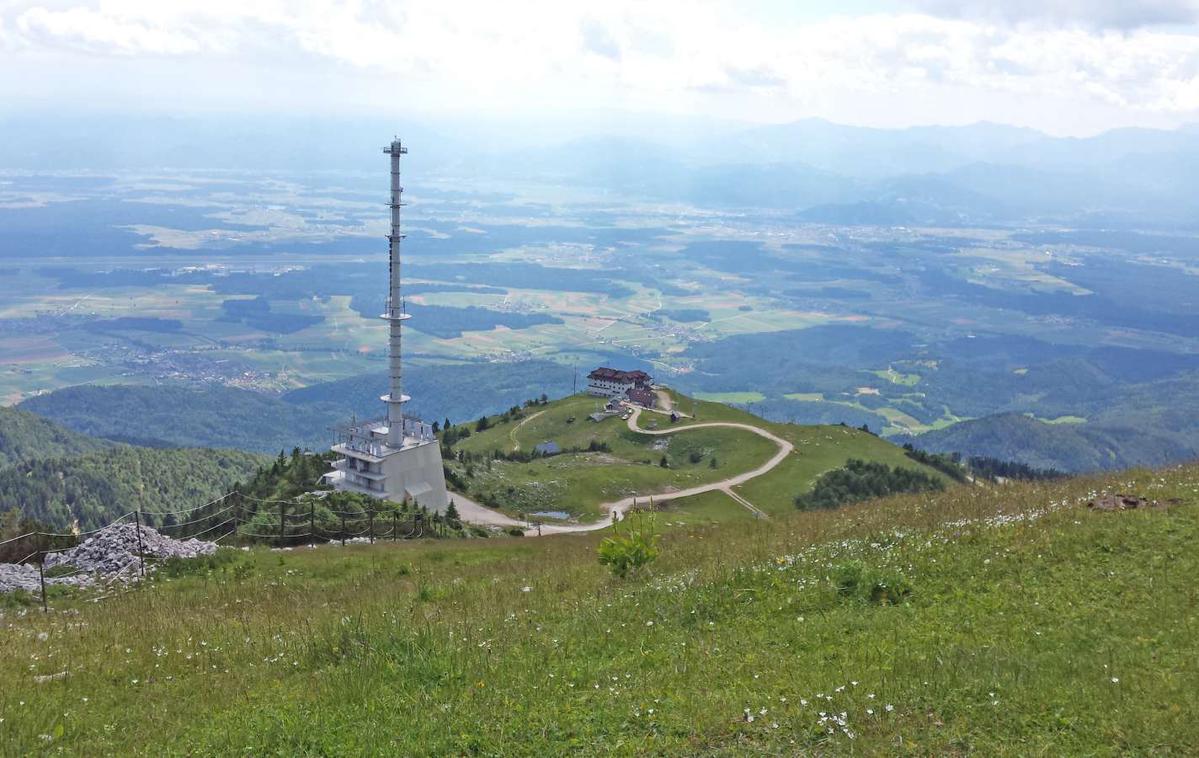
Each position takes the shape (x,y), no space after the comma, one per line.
(27,436)
(1066,447)
(629,463)
(1021,623)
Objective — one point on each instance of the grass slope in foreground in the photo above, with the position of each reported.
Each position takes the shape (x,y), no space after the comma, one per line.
(1032,626)
(630,463)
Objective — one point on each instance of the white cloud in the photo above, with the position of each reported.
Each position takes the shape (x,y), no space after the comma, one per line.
(672,54)
(1102,14)
(94,31)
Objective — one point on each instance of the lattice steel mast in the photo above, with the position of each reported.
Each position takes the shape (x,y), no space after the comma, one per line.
(395,315)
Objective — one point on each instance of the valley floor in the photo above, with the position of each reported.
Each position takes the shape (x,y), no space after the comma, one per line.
(995,621)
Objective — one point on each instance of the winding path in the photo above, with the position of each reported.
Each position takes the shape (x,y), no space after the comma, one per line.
(478,514)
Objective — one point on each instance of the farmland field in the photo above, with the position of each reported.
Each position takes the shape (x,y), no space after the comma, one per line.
(276,286)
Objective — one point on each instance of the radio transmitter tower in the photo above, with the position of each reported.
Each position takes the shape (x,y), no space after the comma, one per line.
(396,458)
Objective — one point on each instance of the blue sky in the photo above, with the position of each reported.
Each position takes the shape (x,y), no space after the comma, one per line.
(1063,66)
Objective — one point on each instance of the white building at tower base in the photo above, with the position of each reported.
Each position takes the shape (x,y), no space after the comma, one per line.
(369,465)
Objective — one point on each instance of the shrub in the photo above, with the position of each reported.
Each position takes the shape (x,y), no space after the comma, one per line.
(857,581)
(175,567)
(633,545)
(862,480)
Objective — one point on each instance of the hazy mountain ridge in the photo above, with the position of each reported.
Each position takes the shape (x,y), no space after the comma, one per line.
(989,173)
(1065,447)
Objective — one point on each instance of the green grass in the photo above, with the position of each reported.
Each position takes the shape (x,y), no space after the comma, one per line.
(738,398)
(708,508)
(817,449)
(1071,634)
(805,397)
(898,377)
(1064,420)
(578,483)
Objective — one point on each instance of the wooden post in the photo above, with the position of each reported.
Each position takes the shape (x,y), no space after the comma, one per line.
(395,526)
(282,523)
(370,515)
(236,513)
(141,550)
(41,573)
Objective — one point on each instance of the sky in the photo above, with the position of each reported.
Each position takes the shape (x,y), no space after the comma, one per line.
(1067,67)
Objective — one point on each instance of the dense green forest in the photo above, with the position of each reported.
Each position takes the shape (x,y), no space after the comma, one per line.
(459,391)
(962,469)
(283,503)
(862,480)
(178,416)
(26,436)
(225,417)
(94,488)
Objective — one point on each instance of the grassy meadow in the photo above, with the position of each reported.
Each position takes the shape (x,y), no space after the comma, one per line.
(995,621)
(578,482)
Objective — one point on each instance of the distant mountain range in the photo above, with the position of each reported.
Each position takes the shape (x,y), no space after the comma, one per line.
(826,173)
(1064,447)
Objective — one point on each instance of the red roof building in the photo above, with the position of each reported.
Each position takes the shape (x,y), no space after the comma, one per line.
(610,382)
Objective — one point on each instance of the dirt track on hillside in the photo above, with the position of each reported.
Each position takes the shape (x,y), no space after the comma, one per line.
(478,514)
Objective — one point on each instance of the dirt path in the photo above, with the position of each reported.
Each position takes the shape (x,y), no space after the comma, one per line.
(616,510)
(665,401)
(515,429)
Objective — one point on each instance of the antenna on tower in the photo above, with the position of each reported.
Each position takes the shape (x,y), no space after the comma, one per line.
(396,314)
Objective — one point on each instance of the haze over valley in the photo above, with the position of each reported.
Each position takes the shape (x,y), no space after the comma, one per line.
(862,276)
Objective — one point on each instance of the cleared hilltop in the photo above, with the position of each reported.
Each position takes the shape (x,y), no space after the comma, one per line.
(503,462)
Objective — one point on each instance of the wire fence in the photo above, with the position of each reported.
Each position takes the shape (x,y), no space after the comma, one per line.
(234,519)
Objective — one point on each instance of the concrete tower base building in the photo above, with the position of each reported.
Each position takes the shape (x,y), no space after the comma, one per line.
(398,458)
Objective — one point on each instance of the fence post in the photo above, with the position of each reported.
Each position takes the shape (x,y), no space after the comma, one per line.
(282,523)
(370,515)
(343,529)
(312,524)
(141,550)
(236,514)
(395,526)
(41,572)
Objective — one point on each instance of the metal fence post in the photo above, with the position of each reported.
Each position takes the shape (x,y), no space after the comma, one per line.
(312,524)
(395,526)
(282,523)
(141,549)
(370,515)
(343,529)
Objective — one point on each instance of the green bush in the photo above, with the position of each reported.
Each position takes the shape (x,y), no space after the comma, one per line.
(857,581)
(173,568)
(862,480)
(633,545)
